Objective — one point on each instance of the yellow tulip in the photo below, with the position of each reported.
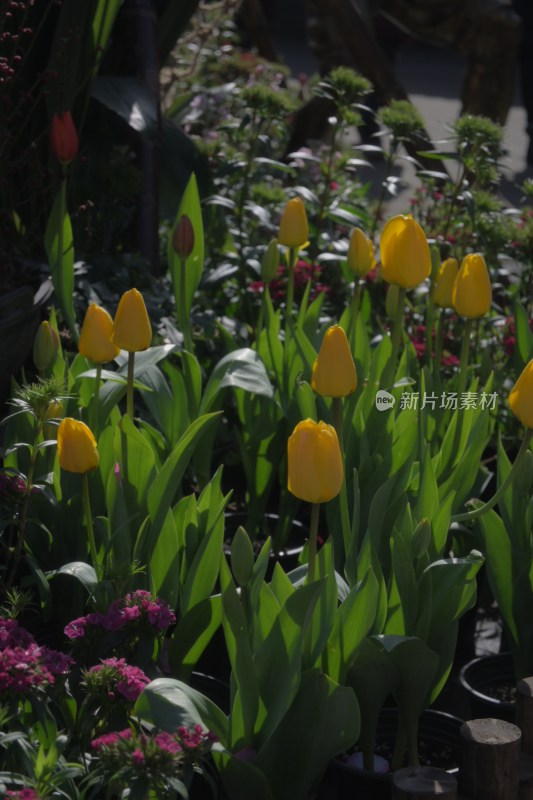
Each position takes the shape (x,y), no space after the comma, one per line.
(361,256)
(405,256)
(315,468)
(334,372)
(131,328)
(444,281)
(45,346)
(293,228)
(76,446)
(95,337)
(521,396)
(472,290)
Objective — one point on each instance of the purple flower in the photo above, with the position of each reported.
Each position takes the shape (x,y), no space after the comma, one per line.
(114,675)
(137,757)
(76,628)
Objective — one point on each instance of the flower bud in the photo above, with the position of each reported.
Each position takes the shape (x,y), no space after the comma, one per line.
(404,250)
(131,328)
(183,237)
(270,261)
(334,372)
(95,338)
(444,282)
(76,446)
(521,396)
(360,257)
(472,290)
(315,468)
(45,346)
(54,410)
(64,138)
(242,557)
(293,227)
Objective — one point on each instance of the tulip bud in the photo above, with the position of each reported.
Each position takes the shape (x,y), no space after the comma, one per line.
(64,138)
(54,410)
(521,396)
(131,328)
(76,446)
(334,372)
(444,282)
(293,227)
(472,290)
(315,468)
(45,346)
(183,237)
(242,557)
(95,338)
(405,256)
(270,261)
(391,301)
(360,253)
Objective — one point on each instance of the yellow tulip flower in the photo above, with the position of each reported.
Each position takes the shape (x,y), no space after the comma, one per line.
(334,372)
(472,290)
(293,228)
(315,468)
(361,257)
(444,282)
(405,256)
(521,396)
(95,338)
(76,446)
(131,328)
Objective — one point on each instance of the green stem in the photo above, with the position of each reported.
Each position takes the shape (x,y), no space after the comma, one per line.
(355,305)
(24,513)
(96,400)
(89,522)
(293,255)
(478,512)
(463,364)
(184,319)
(129,390)
(313,535)
(438,349)
(429,326)
(343,495)
(390,369)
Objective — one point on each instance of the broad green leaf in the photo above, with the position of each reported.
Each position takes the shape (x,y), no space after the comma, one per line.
(242,368)
(192,634)
(59,245)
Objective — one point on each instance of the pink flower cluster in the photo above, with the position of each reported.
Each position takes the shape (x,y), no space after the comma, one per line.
(22,794)
(136,610)
(24,665)
(161,754)
(303,273)
(114,675)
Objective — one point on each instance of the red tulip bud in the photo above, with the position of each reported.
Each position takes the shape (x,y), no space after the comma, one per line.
(64,138)
(183,238)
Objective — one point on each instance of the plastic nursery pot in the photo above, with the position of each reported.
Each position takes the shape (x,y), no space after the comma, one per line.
(489,682)
(438,737)
(287,557)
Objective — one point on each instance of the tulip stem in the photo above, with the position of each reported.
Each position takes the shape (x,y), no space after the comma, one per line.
(463,366)
(129,389)
(467,516)
(343,495)
(356,303)
(89,522)
(96,398)
(313,535)
(438,348)
(293,255)
(390,369)
(184,319)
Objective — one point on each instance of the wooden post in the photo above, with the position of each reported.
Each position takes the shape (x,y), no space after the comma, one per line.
(524,713)
(490,759)
(423,783)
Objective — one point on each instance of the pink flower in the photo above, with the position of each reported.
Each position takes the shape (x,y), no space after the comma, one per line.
(137,757)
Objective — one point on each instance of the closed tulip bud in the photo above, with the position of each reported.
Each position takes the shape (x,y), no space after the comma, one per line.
(45,346)
(293,228)
(183,237)
(95,338)
(521,396)
(270,261)
(54,410)
(472,290)
(361,257)
(242,557)
(404,250)
(444,282)
(76,446)
(64,138)
(334,372)
(315,468)
(131,328)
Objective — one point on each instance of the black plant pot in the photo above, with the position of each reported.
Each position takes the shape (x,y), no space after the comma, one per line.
(489,682)
(438,732)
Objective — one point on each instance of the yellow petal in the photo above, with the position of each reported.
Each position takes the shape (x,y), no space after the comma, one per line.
(76,446)
(131,328)
(472,290)
(404,251)
(293,227)
(315,468)
(95,338)
(444,282)
(361,256)
(521,396)
(334,372)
